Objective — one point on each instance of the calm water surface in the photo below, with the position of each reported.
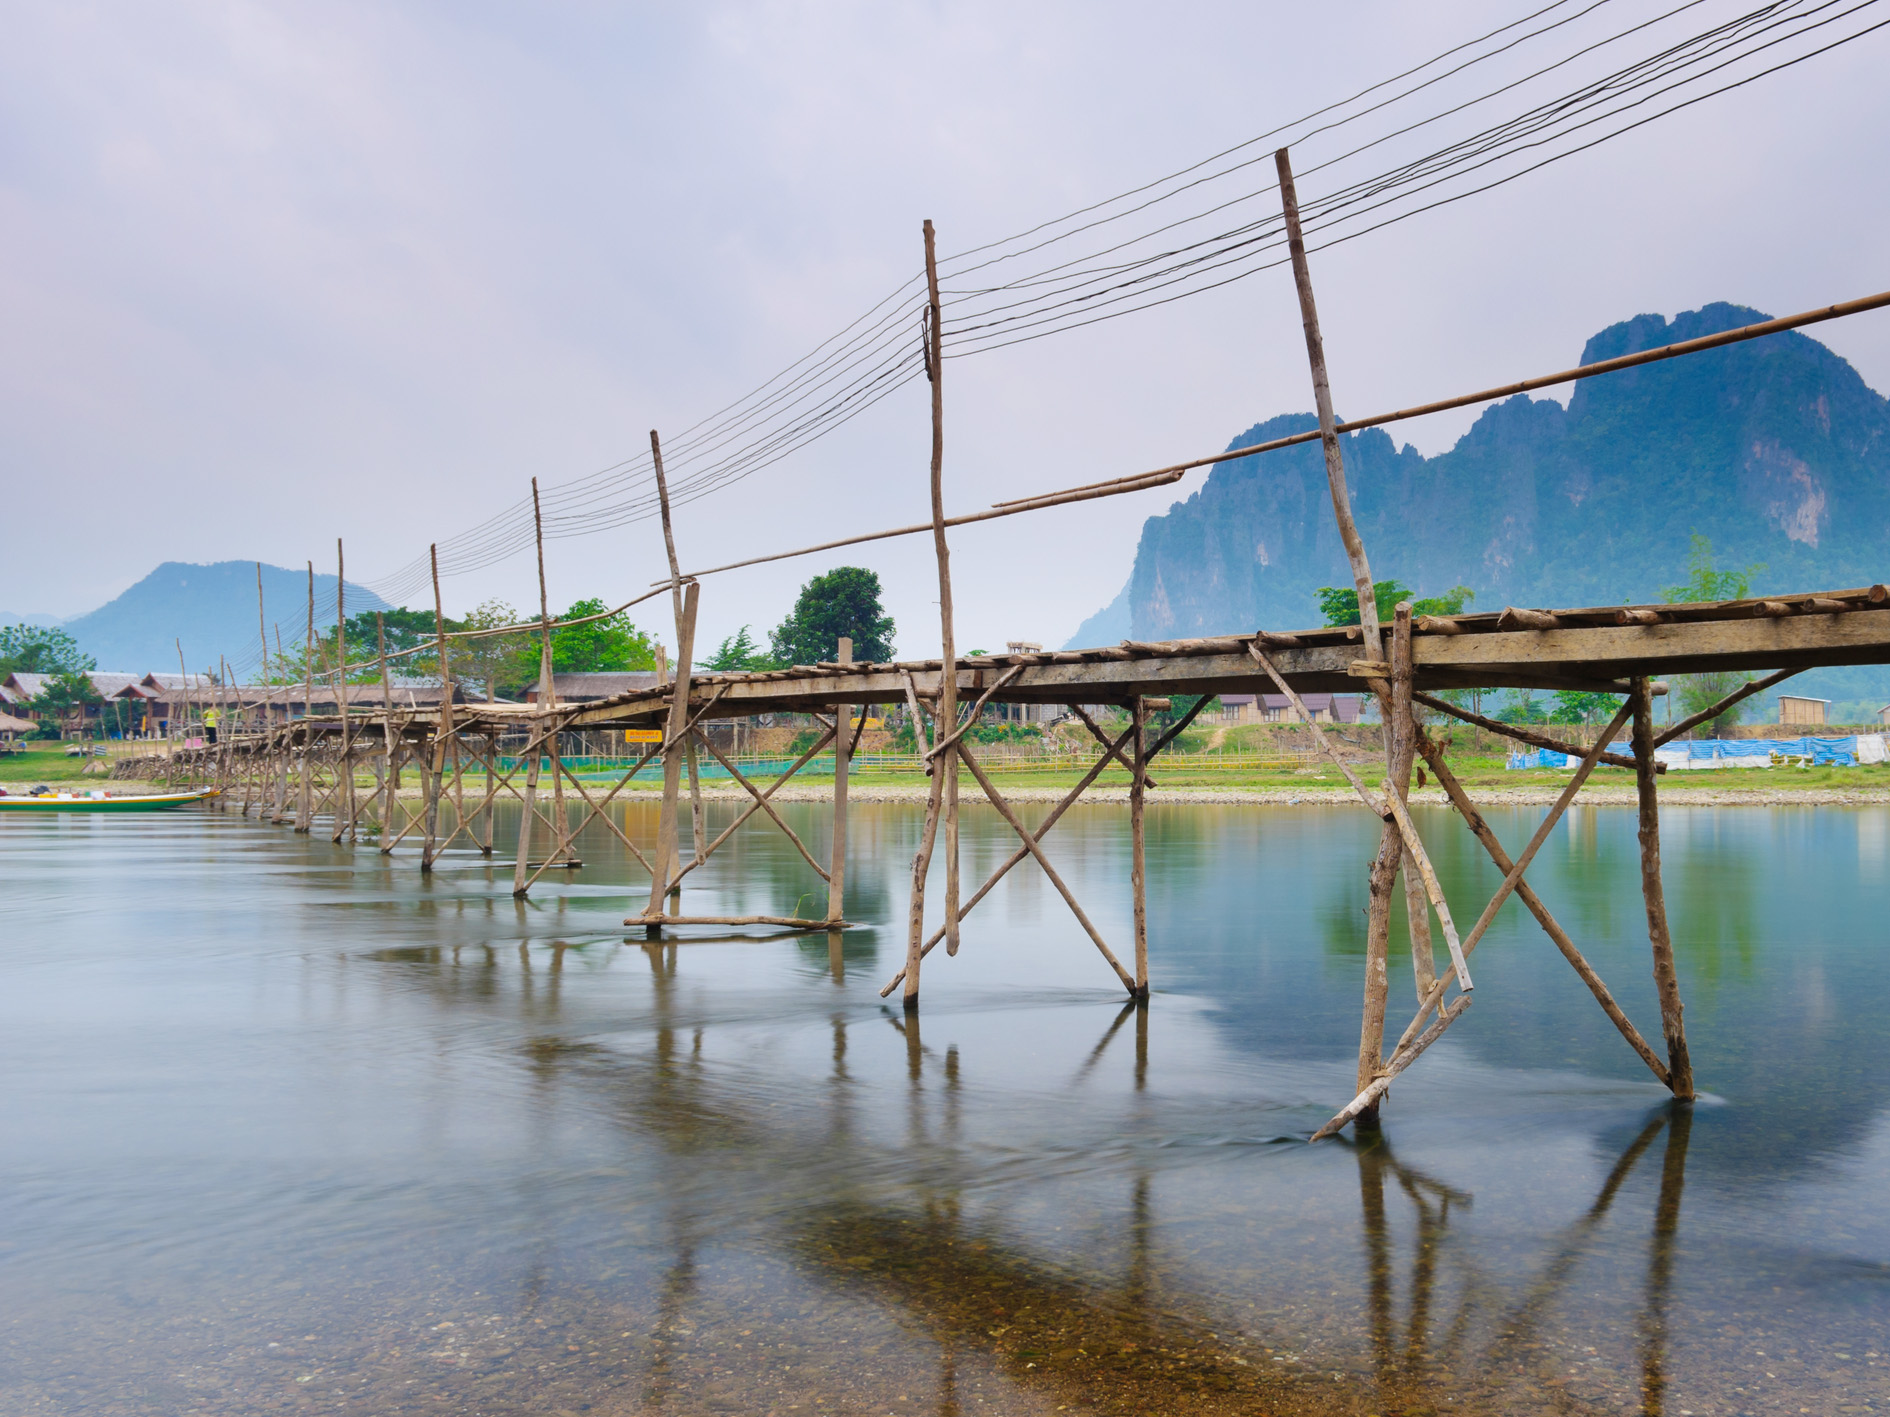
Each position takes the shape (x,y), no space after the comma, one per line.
(289,1127)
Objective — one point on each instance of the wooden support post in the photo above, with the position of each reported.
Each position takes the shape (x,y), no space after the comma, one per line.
(842,763)
(675,735)
(443,724)
(1666,981)
(344,809)
(1138,842)
(521,869)
(305,814)
(491,761)
(943,794)
(390,740)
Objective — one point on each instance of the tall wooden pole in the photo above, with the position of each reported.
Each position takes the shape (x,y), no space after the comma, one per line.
(698,822)
(943,794)
(443,728)
(1322,402)
(262,633)
(547,678)
(344,811)
(842,762)
(668,855)
(390,740)
(1666,981)
(305,806)
(1384,872)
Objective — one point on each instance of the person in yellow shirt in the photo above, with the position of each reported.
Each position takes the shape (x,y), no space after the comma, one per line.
(210,717)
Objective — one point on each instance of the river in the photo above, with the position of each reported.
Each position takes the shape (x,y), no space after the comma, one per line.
(289,1126)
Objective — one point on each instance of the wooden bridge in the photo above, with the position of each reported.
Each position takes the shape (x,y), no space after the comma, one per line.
(306,769)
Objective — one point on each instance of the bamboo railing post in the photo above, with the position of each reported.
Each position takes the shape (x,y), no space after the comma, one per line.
(443,724)
(1138,843)
(943,795)
(1666,981)
(547,677)
(305,804)
(842,764)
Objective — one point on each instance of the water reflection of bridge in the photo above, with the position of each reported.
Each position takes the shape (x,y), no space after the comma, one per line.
(898,1217)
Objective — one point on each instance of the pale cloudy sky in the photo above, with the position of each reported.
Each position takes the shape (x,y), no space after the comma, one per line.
(274,273)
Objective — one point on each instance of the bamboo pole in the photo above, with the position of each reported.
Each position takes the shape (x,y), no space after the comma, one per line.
(520,868)
(1005,810)
(943,796)
(305,814)
(547,672)
(1022,853)
(1479,828)
(1322,400)
(728,831)
(1666,980)
(1514,876)
(842,762)
(443,724)
(668,860)
(390,740)
(347,719)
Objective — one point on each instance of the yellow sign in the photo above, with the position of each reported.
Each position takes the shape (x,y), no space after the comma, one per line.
(643,735)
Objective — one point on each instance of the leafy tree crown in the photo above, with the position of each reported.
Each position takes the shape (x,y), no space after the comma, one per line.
(1339,604)
(41,649)
(607,646)
(844,602)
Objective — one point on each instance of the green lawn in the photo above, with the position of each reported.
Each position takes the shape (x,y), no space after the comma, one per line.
(42,762)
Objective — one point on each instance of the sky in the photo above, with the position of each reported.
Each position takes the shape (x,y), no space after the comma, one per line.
(273,274)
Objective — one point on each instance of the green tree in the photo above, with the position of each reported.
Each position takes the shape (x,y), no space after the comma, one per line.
(1575,707)
(1696,692)
(67,692)
(736,653)
(1451,602)
(496,663)
(844,602)
(406,629)
(1179,704)
(41,649)
(1339,604)
(1521,708)
(606,646)
(1703,582)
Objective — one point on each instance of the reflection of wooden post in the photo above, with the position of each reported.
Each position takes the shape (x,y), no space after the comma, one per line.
(1138,845)
(842,764)
(1666,981)
(1673,1177)
(945,716)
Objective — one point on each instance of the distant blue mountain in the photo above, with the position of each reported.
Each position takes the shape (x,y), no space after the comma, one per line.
(212,610)
(1776,450)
